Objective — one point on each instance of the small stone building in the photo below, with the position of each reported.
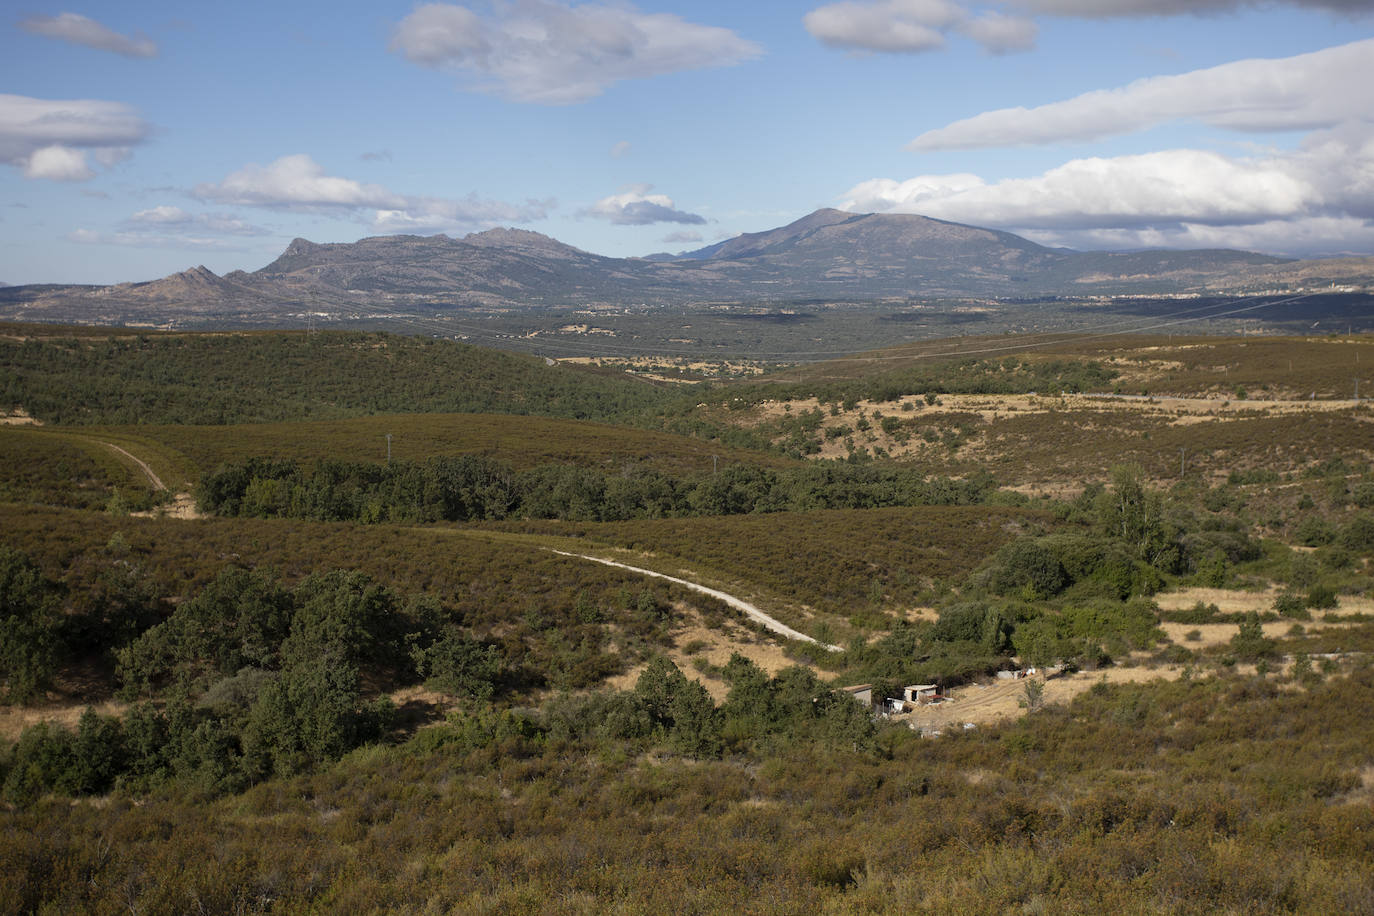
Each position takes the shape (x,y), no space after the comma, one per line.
(919,694)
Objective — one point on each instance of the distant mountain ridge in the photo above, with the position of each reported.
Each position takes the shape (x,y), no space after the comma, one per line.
(829,254)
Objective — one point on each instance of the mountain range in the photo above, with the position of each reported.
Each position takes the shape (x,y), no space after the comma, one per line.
(828,255)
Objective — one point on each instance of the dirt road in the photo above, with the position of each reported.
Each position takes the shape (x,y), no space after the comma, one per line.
(153,479)
(749,610)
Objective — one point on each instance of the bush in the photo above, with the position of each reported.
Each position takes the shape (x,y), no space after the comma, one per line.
(1363,495)
(1290,605)
(1358,533)
(1250,644)
(1028,567)
(1321,598)
(460,665)
(1314,532)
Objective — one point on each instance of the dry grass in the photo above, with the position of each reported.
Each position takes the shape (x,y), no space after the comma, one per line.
(1001,701)
(713,646)
(1051,444)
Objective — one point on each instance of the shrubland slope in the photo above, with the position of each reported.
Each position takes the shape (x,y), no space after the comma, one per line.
(303,714)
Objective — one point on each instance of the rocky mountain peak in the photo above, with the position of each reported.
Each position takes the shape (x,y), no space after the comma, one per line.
(516,238)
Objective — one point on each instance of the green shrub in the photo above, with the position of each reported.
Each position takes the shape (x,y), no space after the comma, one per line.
(1314,531)
(1250,644)
(1358,533)
(461,665)
(1321,597)
(1288,604)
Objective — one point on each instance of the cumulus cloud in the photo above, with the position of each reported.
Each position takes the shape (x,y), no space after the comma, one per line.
(81,30)
(58,163)
(999,33)
(432,214)
(299,183)
(635,206)
(296,183)
(553,53)
(1105,9)
(910,26)
(681,238)
(164,216)
(1303,92)
(52,139)
(1182,196)
(1170,186)
(1310,236)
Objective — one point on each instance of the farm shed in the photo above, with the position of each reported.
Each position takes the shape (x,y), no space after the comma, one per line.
(862,693)
(921,693)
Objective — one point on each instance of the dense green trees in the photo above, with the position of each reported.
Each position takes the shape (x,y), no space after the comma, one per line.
(192,379)
(476,488)
(239,620)
(30,626)
(255,679)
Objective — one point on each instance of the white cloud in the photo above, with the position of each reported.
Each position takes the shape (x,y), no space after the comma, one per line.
(1171,186)
(635,206)
(167,226)
(910,26)
(51,138)
(557,54)
(1315,236)
(1104,9)
(1319,89)
(913,26)
(296,182)
(58,163)
(430,214)
(1001,34)
(1189,197)
(620,149)
(679,238)
(892,25)
(299,183)
(165,216)
(80,30)
(161,214)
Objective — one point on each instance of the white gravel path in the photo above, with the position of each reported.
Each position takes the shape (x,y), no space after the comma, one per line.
(749,610)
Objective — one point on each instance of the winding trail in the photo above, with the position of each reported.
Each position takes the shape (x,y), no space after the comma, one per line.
(749,610)
(153,479)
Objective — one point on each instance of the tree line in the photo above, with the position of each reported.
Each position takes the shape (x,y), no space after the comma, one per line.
(475,488)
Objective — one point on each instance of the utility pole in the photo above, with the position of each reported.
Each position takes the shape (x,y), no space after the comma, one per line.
(388,449)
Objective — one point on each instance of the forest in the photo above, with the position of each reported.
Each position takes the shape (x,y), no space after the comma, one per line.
(290,681)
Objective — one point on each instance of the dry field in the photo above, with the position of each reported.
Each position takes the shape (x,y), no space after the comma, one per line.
(1033,441)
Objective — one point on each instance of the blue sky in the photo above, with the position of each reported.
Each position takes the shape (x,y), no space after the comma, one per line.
(139,139)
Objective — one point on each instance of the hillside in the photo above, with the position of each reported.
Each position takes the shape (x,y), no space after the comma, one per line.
(236,378)
(428,661)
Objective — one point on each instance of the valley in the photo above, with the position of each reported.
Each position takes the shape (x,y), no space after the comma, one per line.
(507,629)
